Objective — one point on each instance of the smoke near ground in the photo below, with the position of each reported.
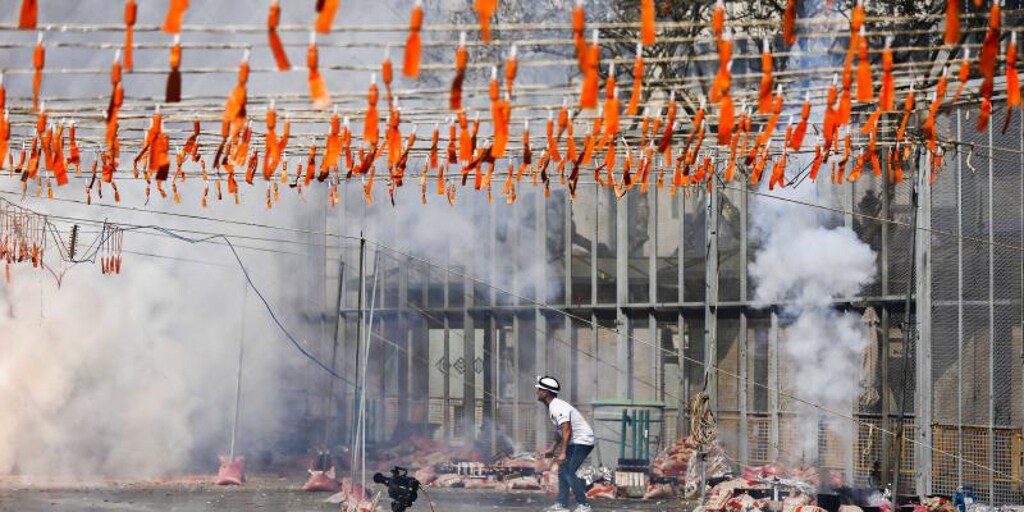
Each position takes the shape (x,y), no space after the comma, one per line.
(104,378)
(134,375)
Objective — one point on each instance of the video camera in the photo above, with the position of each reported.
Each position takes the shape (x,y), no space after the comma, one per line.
(402,488)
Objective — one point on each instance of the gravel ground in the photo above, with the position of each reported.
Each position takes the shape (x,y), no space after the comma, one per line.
(261,494)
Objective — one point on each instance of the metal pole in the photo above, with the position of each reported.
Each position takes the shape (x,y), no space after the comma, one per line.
(334,358)
(908,325)
(366,362)
(238,375)
(991,327)
(359,345)
(711,297)
(636,431)
(1021,297)
(959,308)
(624,423)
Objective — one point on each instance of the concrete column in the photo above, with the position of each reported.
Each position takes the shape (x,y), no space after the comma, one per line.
(624,348)
(682,425)
(469,391)
(742,386)
(774,387)
(516,420)
(490,391)
(446,401)
(657,375)
(683,428)
(541,322)
(923,354)
(404,338)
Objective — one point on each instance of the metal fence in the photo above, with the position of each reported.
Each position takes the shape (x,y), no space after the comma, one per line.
(610,295)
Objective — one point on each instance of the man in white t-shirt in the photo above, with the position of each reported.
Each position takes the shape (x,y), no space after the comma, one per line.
(574,441)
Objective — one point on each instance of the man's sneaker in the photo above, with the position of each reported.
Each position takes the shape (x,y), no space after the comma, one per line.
(582,507)
(557,507)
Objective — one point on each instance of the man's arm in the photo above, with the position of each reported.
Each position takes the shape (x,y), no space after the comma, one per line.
(566,433)
(550,451)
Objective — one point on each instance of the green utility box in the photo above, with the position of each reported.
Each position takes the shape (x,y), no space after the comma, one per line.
(614,443)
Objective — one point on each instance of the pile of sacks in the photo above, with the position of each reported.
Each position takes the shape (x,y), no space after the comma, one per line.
(800,486)
(601,485)
(608,490)
(673,461)
(682,461)
(423,452)
(544,477)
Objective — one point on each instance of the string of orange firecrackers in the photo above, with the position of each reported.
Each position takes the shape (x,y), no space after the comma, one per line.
(22,238)
(683,157)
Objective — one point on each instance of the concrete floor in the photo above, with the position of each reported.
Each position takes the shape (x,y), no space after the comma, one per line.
(266,494)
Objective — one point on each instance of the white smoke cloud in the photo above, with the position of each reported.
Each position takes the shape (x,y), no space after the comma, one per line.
(133,375)
(104,378)
(803,266)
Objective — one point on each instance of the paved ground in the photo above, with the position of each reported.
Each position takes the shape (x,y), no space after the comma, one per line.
(260,494)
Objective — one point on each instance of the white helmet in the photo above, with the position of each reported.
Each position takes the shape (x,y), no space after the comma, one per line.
(549,384)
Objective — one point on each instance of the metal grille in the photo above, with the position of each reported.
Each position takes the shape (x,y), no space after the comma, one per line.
(868,451)
(831,448)
(728,430)
(907,462)
(945,468)
(976,313)
(525,436)
(758,431)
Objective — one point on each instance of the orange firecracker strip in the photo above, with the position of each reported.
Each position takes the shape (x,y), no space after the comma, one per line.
(789,23)
(326,10)
(952,36)
(647,35)
(175,14)
(276,47)
(317,86)
(29,16)
(413,45)
(38,63)
(485,9)
(461,60)
(173,93)
(130,15)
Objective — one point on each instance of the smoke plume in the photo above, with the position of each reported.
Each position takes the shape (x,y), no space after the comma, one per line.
(803,266)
